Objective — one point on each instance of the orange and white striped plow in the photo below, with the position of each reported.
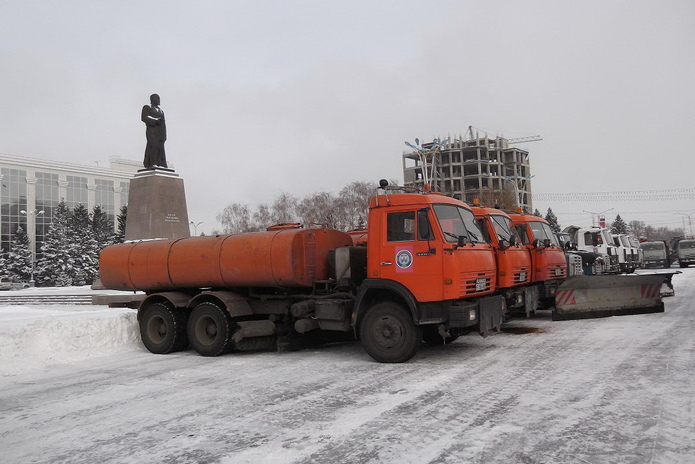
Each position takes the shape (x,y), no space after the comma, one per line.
(590,296)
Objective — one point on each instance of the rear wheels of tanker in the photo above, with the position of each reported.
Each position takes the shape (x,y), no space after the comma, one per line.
(210,330)
(163,328)
(389,334)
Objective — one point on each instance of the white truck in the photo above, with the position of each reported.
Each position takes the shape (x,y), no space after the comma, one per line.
(628,252)
(656,254)
(686,252)
(599,241)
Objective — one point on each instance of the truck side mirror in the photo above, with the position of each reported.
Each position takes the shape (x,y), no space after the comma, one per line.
(546,243)
(512,240)
(504,244)
(462,240)
(536,243)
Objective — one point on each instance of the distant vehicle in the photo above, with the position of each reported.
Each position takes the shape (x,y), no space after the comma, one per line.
(656,254)
(686,252)
(597,241)
(628,255)
(6,283)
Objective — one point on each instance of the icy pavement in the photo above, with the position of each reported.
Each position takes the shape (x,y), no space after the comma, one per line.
(614,390)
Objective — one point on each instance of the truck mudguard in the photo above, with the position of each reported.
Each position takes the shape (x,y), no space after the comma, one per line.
(369,290)
(236,305)
(177,299)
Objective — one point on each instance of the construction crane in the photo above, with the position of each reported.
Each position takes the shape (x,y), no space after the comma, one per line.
(532,138)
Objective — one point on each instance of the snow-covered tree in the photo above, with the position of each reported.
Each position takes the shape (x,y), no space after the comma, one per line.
(18,258)
(55,267)
(102,228)
(619,226)
(83,247)
(536,212)
(121,220)
(552,220)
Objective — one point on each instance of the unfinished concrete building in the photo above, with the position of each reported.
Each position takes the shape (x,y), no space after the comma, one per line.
(480,167)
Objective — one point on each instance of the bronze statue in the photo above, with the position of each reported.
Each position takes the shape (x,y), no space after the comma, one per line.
(153,117)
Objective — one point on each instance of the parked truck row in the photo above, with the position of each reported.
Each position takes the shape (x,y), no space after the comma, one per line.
(427,268)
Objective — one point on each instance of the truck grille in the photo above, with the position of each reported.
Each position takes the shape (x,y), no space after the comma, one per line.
(521,275)
(479,282)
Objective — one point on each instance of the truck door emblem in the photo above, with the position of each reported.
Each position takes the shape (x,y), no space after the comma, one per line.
(404,259)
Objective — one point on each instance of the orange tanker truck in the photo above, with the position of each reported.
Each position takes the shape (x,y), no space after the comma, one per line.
(426,274)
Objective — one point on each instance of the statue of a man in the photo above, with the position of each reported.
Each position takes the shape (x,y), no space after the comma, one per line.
(153,117)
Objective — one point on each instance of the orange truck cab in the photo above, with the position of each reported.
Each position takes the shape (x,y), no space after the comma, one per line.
(426,254)
(549,263)
(514,265)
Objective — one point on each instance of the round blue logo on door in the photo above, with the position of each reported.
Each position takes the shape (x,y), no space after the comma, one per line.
(404,259)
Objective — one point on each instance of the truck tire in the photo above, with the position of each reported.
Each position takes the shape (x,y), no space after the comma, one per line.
(389,334)
(210,330)
(163,328)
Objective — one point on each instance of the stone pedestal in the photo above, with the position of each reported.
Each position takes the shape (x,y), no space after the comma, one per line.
(157,206)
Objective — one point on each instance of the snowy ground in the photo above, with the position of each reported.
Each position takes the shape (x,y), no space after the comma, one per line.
(76,386)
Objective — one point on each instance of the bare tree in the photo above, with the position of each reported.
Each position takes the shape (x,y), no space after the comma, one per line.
(505,199)
(235,219)
(353,201)
(262,217)
(319,208)
(284,208)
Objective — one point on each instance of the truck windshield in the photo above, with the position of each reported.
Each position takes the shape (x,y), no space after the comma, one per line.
(652,246)
(625,241)
(503,227)
(542,231)
(687,244)
(456,221)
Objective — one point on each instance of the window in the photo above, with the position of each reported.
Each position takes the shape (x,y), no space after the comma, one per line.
(104,197)
(456,221)
(542,231)
(482,225)
(13,199)
(125,189)
(503,227)
(76,191)
(400,227)
(424,229)
(46,199)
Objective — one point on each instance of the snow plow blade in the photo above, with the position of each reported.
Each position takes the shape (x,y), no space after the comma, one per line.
(593,296)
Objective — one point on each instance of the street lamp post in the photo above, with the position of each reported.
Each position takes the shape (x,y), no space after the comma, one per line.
(195,227)
(517,182)
(690,221)
(598,215)
(31,232)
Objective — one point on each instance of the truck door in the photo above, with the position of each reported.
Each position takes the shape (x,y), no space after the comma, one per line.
(410,255)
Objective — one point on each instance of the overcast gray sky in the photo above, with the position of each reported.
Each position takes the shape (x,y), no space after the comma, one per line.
(264,97)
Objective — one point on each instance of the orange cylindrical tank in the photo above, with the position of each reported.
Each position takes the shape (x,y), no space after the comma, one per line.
(281,258)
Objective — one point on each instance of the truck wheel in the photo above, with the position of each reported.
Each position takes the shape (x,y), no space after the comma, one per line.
(389,334)
(163,328)
(431,336)
(210,330)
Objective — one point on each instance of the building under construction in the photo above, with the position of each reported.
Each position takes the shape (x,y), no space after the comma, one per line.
(480,167)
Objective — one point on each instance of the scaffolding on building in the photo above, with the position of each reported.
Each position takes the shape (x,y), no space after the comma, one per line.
(475,167)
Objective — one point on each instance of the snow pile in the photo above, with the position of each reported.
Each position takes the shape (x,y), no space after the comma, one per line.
(32,337)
